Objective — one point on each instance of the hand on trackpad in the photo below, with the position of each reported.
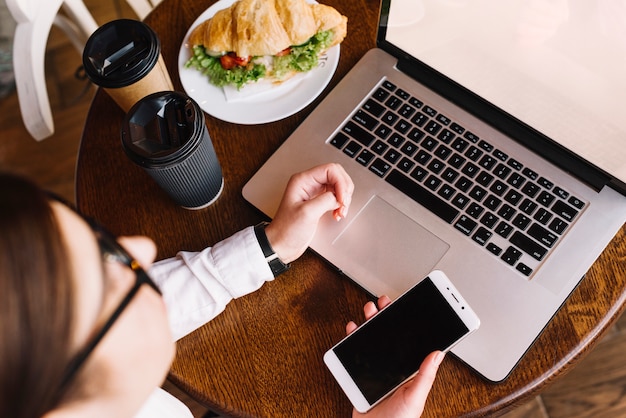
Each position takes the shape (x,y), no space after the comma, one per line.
(388,251)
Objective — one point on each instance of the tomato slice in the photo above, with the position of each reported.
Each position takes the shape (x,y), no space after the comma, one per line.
(230,61)
(284,52)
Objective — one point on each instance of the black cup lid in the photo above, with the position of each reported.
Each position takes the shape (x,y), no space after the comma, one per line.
(162,128)
(120,53)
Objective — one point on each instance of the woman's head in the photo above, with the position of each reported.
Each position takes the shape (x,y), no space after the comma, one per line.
(61,283)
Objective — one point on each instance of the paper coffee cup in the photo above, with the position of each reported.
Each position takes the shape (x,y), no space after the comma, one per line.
(124,57)
(165,133)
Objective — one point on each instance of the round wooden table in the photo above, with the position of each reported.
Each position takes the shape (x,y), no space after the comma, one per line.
(262,357)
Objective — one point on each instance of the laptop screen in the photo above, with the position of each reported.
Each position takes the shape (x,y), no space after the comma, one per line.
(558,66)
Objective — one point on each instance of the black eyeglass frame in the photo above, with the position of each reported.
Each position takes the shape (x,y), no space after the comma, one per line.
(108,243)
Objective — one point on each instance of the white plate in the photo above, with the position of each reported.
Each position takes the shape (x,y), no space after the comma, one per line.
(269,106)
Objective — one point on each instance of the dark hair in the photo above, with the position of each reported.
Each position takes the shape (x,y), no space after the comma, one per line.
(36,301)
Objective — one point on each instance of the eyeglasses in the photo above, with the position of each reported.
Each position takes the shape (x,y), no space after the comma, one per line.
(112,254)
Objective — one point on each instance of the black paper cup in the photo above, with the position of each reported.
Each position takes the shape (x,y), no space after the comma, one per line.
(165,133)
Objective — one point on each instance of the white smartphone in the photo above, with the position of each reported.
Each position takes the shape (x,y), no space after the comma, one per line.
(387,350)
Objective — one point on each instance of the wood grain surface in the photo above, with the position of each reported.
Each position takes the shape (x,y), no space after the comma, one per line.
(263,356)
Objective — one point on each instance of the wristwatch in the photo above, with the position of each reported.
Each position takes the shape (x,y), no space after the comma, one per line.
(275,263)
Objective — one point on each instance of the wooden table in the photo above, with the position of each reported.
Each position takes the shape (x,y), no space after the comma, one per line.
(263,356)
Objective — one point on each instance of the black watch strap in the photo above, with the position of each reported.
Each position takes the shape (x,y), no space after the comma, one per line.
(275,263)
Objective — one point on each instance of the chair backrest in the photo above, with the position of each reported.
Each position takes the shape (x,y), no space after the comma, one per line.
(34,20)
(143,7)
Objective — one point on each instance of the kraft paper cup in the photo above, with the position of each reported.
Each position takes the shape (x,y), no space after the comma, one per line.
(124,58)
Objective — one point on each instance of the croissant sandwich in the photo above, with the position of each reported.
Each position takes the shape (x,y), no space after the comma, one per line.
(271,39)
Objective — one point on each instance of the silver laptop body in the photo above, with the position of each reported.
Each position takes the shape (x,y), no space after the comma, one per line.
(478,82)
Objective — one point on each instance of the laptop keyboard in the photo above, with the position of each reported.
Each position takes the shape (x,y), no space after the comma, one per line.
(509,209)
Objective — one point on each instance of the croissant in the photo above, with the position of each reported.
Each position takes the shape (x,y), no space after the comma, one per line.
(266,27)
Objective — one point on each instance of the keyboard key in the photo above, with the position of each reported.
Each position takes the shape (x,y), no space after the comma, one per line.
(389,85)
(446,191)
(498,188)
(409,148)
(470,170)
(460,200)
(383,131)
(487,162)
(403,94)
(432,127)
(403,127)
(492,202)
(422,196)
(529,246)
(456,161)
(545,183)
(422,157)
(358,133)
(524,269)
(545,198)
(465,224)
(542,216)
(502,171)
(542,235)
(500,155)
(446,136)
(339,140)
(507,212)
(530,189)
(474,210)
(390,118)
(460,145)
(395,140)
(406,165)
(494,249)
(484,178)
(364,119)
(482,235)
(443,152)
(436,166)
(511,255)
(489,220)
(419,173)
(516,180)
(419,119)
(406,111)
(449,175)
(392,156)
(430,111)
(473,153)
(379,147)
(365,157)
(521,221)
(374,108)
(432,182)
(484,145)
(444,120)
(380,167)
(471,136)
(352,149)
(393,102)
(513,197)
(528,206)
(564,210)
(380,94)
(576,202)
(563,194)
(504,229)
(558,225)
(457,128)
(515,164)
(464,184)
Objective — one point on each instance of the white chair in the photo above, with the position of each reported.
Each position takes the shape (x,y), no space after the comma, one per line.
(34,20)
(143,7)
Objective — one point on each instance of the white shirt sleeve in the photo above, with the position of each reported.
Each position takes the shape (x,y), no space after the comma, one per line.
(197,286)
(162,404)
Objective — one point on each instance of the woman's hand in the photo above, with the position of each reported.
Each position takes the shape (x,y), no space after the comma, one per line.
(308,196)
(409,399)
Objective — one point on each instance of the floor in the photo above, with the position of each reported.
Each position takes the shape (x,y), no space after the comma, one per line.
(595,388)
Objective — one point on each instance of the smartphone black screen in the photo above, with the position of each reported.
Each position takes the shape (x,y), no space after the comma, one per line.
(390,347)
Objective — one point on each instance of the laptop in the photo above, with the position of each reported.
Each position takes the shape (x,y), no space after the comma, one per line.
(486,139)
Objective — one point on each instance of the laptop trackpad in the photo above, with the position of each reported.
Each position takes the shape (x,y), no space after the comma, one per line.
(388,251)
